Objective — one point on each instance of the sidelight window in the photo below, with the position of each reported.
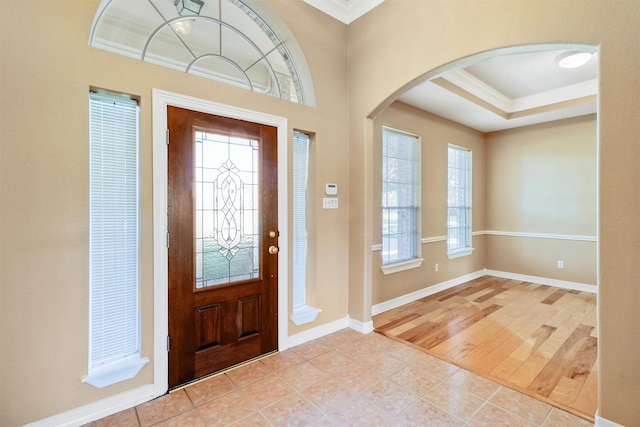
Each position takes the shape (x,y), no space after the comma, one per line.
(114,325)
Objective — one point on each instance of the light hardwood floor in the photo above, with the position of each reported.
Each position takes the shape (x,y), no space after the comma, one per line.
(537,339)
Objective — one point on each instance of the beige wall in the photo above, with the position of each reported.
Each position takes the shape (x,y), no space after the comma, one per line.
(436,134)
(385,59)
(46,68)
(543,180)
(533,180)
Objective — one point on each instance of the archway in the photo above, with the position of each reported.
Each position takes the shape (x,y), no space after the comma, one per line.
(587,239)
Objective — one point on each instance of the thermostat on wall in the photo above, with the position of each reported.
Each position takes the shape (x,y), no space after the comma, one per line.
(331,189)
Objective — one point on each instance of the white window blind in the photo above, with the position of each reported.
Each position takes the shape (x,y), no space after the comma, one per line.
(400,196)
(302,313)
(459,199)
(300,176)
(114,330)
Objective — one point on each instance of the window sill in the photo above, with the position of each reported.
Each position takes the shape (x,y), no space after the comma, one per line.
(304,314)
(401,266)
(460,253)
(115,372)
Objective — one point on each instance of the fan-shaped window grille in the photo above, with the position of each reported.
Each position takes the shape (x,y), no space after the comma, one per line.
(239,42)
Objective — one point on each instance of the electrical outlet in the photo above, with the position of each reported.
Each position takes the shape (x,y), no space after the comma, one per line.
(560,264)
(436,267)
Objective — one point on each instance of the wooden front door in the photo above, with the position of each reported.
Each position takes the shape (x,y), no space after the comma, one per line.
(223,237)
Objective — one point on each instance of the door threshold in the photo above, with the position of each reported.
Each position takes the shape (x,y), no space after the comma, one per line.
(220,372)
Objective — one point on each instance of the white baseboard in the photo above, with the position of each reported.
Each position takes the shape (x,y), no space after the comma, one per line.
(317,332)
(100,409)
(430,290)
(363,328)
(544,281)
(603,422)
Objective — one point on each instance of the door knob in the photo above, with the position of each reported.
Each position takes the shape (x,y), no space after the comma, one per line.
(273,250)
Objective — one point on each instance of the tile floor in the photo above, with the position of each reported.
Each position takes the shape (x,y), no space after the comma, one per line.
(345,379)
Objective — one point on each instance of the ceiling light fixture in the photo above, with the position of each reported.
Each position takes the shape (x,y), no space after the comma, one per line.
(573,59)
(189,7)
(182,27)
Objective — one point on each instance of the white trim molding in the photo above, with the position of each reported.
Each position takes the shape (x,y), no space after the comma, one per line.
(397,267)
(97,410)
(317,332)
(603,422)
(424,240)
(346,11)
(362,327)
(537,235)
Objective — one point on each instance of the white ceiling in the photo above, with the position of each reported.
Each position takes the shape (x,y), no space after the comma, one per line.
(505,91)
(509,91)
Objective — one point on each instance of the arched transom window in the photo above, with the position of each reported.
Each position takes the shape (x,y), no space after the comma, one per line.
(239,42)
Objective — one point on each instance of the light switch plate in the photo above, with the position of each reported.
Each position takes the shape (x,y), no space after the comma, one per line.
(329,203)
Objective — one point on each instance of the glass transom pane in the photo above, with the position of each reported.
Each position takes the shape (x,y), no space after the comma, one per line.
(227,236)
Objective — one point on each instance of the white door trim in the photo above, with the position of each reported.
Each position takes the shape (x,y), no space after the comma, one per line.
(161,100)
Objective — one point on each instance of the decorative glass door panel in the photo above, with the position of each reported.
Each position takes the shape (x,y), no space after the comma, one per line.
(227,229)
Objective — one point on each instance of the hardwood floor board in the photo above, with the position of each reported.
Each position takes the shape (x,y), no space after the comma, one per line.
(590,319)
(554,296)
(494,328)
(446,330)
(529,370)
(564,330)
(484,326)
(566,391)
(398,321)
(548,378)
(533,342)
(580,365)
(538,339)
(587,400)
(470,290)
(419,330)
(523,336)
(506,369)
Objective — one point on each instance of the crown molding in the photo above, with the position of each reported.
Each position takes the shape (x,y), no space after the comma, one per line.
(476,87)
(345,11)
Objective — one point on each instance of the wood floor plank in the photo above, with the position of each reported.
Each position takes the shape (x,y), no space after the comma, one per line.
(553,371)
(444,331)
(536,338)
(587,400)
(566,391)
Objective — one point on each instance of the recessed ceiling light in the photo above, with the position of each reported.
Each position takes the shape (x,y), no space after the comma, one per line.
(573,59)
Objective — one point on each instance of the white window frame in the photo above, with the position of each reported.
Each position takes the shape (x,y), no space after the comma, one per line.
(407,240)
(301,313)
(464,185)
(114,319)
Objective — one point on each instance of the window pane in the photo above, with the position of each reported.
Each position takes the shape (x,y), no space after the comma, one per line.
(300,176)
(459,198)
(227,205)
(113,252)
(400,196)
